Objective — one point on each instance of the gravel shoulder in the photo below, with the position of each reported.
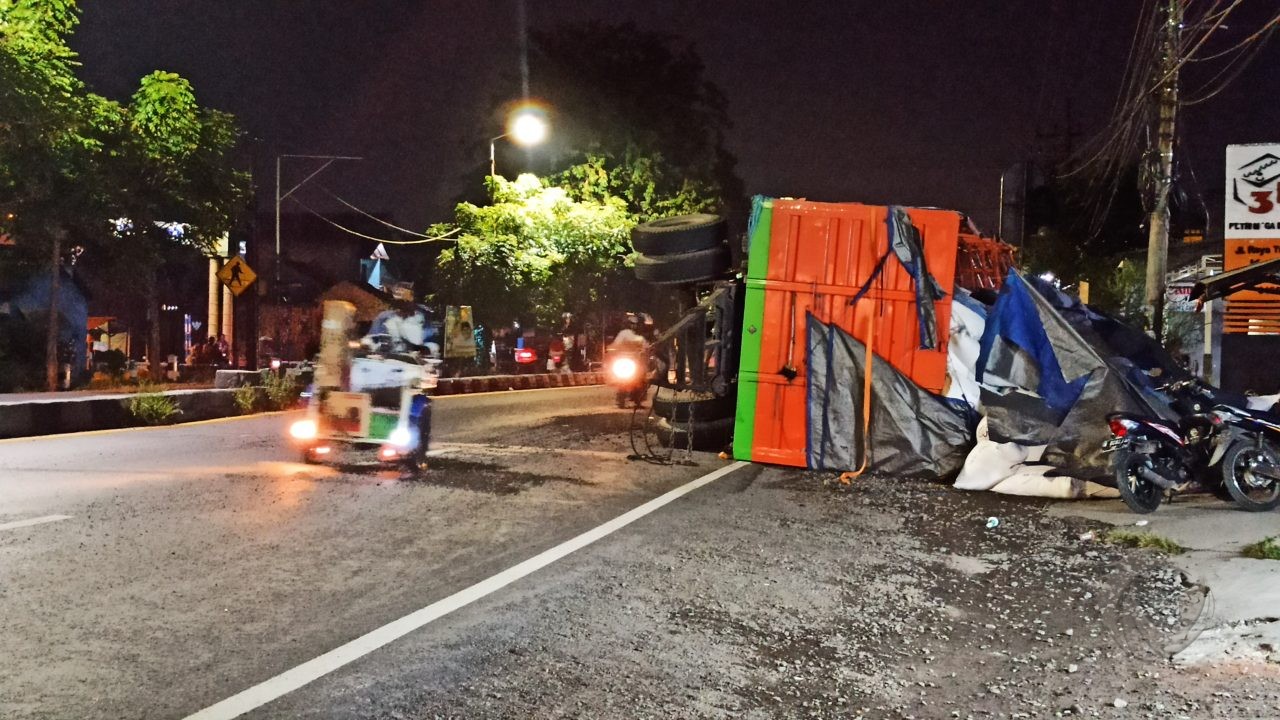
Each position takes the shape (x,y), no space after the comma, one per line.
(775,593)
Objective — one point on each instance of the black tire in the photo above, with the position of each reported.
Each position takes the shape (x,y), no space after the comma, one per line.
(709,436)
(679,234)
(1140,495)
(1251,492)
(683,267)
(308,457)
(413,465)
(687,405)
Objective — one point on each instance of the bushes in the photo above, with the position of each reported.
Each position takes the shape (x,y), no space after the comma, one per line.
(274,392)
(151,407)
(247,398)
(282,391)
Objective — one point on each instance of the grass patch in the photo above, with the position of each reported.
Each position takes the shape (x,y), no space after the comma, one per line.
(1129,538)
(1268,549)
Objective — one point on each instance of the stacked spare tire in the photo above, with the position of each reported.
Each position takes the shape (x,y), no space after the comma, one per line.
(687,250)
(681,249)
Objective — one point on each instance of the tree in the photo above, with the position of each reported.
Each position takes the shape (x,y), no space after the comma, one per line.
(638,102)
(533,253)
(1080,226)
(52,149)
(184,193)
(71,161)
(643,183)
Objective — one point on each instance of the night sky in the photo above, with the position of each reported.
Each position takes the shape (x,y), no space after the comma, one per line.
(904,101)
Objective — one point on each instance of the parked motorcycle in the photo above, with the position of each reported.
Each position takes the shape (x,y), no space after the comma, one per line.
(1155,457)
(627,373)
(1251,462)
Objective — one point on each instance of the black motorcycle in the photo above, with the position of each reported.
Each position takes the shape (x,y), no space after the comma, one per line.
(1156,457)
(1251,461)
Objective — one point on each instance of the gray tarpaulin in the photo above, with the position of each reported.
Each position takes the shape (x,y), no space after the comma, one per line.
(904,240)
(1046,384)
(913,432)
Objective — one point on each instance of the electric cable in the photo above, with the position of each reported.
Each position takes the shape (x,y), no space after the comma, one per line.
(439,238)
(371,216)
(1266,29)
(1243,60)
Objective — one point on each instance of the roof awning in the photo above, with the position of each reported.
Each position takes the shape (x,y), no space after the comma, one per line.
(97,321)
(1245,278)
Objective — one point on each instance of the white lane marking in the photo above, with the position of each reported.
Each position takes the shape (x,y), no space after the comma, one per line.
(523,450)
(33,521)
(290,680)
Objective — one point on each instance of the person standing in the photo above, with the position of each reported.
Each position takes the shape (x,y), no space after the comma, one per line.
(224,348)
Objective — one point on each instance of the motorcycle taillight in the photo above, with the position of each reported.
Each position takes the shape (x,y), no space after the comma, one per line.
(1118,427)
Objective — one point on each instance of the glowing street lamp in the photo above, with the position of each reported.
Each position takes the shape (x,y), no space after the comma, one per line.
(526,127)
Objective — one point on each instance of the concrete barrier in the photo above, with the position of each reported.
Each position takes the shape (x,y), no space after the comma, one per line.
(57,414)
(104,412)
(235,378)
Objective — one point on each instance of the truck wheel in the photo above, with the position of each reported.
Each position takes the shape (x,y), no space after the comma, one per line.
(686,405)
(708,435)
(679,234)
(683,267)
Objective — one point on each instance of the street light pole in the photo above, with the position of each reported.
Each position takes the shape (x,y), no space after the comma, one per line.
(526,128)
(492,162)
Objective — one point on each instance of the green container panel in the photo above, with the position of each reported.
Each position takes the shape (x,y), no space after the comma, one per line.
(381,424)
(752,321)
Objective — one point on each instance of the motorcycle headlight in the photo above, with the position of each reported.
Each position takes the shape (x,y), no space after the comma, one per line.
(303,429)
(400,437)
(623,368)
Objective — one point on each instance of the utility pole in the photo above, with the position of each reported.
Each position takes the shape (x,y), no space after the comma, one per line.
(1158,242)
(329,160)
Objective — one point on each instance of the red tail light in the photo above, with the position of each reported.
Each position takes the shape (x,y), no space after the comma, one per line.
(525,355)
(1118,427)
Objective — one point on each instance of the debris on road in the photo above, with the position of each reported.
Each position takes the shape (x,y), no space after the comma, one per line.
(924,619)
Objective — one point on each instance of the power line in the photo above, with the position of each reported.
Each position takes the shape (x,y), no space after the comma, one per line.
(1115,146)
(1266,29)
(438,238)
(371,216)
(1237,66)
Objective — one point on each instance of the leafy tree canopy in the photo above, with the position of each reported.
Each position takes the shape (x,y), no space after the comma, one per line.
(72,161)
(535,251)
(643,183)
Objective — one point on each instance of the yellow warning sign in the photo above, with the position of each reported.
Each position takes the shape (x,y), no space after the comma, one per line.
(237,275)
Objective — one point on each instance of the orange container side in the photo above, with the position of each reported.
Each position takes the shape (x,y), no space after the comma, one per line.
(820,254)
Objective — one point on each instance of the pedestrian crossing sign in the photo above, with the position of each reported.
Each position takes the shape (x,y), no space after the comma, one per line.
(237,275)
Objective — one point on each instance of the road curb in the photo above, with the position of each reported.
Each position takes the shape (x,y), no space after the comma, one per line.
(60,416)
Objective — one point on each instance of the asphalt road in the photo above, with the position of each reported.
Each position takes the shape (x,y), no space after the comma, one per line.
(186,568)
(196,561)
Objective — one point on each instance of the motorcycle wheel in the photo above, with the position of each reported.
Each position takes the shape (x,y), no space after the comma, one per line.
(1140,495)
(414,464)
(1251,491)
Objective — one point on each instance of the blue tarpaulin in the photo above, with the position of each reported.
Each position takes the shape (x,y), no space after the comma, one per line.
(1016,319)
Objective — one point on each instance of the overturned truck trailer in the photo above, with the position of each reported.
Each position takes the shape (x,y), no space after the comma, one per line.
(825,282)
(899,340)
